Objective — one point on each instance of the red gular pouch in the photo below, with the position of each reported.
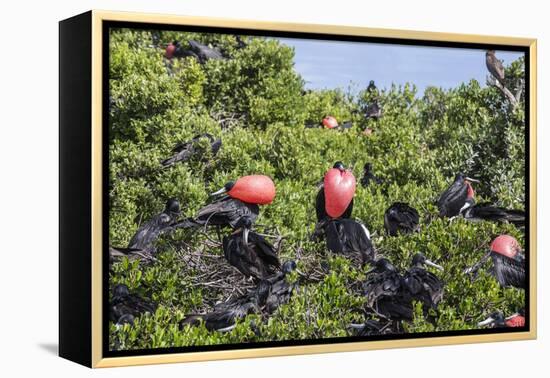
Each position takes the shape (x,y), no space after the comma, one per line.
(339,187)
(515,321)
(169,52)
(471,191)
(256,189)
(330,122)
(505,245)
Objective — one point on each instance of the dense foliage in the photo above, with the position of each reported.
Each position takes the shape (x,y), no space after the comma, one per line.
(256,102)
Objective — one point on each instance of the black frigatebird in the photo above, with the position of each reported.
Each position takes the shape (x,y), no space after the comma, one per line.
(494,65)
(266,297)
(203,53)
(184,151)
(401,218)
(486,211)
(497,320)
(371,88)
(373,110)
(508,262)
(348,236)
(124,306)
(423,285)
(281,290)
(250,252)
(146,235)
(390,294)
(369,177)
(238,199)
(454,198)
(224,315)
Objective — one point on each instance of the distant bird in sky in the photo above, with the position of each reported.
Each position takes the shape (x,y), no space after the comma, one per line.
(494,65)
(239,199)
(250,252)
(453,199)
(400,218)
(497,320)
(148,233)
(369,177)
(186,150)
(124,306)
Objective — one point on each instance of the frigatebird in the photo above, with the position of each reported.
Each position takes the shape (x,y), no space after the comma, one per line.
(281,290)
(453,199)
(250,252)
(423,285)
(335,196)
(348,237)
(390,294)
(329,122)
(369,177)
(494,65)
(497,320)
(239,199)
(265,298)
(373,110)
(124,306)
(224,315)
(508,262)
(371,88)
(148,233)
(400,218)
(195,49)
(486,211)
(184,151)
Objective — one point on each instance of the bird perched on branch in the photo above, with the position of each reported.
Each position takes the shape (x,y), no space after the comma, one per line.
(454,198)
(239,199)
(390,294)
(194,49)
(124,306)
(369,177)
(148,233)
(497,320)
(142,244)
(508,262)
(401,218)
(250,252)
(268,295)
(184,151)
(494,65)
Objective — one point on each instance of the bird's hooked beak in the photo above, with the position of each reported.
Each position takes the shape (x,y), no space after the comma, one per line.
(221,191)
(471,179)
(486,322)
(431,263)
(300,273)
(246,231)
(358,326)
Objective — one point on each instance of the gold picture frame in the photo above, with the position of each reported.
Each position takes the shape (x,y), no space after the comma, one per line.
(95,19)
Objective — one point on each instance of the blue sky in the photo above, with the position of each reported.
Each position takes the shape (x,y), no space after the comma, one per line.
(331,64)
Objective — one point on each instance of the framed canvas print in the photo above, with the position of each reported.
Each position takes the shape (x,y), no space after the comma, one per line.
(236,189)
